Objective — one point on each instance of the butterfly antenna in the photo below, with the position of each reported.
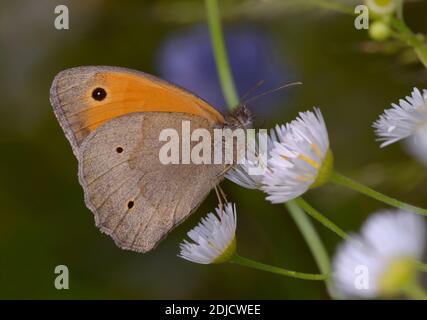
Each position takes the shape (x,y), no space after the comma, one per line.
(272,91)
(218,195)
(224,196)
(252,89)
(226,169)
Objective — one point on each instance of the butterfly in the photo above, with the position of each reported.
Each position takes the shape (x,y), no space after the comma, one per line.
(112,118)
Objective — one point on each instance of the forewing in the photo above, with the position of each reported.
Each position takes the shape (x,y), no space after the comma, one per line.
(79,112)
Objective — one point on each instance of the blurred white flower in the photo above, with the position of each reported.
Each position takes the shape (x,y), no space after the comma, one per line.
(382,259)
(403,120)
(213,238)
(300,157)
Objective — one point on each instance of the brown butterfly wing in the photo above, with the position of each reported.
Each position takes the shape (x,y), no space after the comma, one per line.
(126,91)
(136,199)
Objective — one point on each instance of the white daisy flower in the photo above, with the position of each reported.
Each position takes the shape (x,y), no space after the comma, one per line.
(408,118)
(214,239)
(382,259)
(300,158)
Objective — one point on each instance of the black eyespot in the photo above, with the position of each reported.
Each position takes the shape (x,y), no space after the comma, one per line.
(119,149)
(99,94)
(130,204)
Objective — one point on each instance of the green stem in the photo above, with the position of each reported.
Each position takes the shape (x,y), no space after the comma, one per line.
(347,182)
(220,53)
(399,9)
(421,266)
(321,218)
(413,290)
(284,272)
(231,96)
(416,41)
(313,241)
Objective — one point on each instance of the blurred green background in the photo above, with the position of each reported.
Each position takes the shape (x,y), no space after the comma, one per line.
(44,222)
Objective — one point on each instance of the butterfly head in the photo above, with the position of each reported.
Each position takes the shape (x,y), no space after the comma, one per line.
(242,117)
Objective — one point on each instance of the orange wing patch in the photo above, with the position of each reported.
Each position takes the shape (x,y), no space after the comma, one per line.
(86,97)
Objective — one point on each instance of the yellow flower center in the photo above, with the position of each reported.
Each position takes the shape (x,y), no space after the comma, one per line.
(399,273)
(325,171)
(227,253)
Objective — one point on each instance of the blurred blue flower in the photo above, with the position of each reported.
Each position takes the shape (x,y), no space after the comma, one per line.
(186,59)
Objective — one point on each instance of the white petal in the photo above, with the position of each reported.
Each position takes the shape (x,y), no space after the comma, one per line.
(351,261)
(395,233)
(250,174)
(417,146)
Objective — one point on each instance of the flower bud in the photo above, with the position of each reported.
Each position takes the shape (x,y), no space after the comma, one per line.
(379,30)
